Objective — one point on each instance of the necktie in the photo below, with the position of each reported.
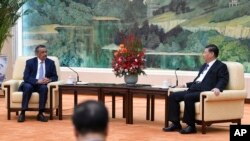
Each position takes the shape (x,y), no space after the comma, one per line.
(40,76)
(205,68)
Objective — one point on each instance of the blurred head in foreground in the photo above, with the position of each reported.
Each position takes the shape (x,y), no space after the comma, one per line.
(90,120)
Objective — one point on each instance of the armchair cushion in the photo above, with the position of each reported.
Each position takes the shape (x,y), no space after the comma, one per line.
(16,97)
(236,76)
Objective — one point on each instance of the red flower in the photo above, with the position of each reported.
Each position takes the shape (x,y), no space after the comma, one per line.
(129,58)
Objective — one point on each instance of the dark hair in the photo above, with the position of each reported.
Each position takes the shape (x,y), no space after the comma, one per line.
(213,48)
(39,46)
(90,117)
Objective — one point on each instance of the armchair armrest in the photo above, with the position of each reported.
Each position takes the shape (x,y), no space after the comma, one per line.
(53,90)
(177,89)
(225,95)
(172,90)
(13,84)
(55,84)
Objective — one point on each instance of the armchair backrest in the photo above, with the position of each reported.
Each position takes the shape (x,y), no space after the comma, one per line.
(236,76)
(20,63)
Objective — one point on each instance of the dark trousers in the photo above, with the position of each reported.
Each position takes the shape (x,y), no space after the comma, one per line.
(28,88)
(189,98)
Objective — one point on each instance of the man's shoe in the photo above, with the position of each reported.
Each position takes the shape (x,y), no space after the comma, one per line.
(188,130)
(172,127)
(42,118)
(21,118)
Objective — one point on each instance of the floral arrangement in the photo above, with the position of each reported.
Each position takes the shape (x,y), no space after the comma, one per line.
(129,59)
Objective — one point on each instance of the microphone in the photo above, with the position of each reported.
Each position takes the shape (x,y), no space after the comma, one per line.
(176,76)
(77,75)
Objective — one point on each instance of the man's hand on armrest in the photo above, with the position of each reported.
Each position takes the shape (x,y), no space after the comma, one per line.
(216,91)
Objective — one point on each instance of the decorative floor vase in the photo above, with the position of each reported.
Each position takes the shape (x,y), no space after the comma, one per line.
(131,80)
(3,67)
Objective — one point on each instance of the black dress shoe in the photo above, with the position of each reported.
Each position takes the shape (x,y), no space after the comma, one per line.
(172,127)
(188,130)
(21,118)
(42,118)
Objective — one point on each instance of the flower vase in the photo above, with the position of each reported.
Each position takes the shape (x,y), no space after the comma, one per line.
(131,79)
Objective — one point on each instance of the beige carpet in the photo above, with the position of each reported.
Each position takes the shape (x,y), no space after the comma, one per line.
(141,130)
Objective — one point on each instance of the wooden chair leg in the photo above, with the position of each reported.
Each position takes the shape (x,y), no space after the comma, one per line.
(203,128)
(239,122)
(8,114)
(17,113)
(51,114)
(57,112)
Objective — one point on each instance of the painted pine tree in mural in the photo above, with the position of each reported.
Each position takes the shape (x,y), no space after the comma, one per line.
(85,33)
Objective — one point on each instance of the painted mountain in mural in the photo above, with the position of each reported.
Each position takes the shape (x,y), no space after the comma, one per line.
(174,32)
(225,23)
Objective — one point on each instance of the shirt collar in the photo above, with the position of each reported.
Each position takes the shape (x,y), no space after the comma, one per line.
(39,60)
(211,63)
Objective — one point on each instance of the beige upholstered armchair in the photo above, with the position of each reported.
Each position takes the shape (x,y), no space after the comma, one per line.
(227,107)
(13,97)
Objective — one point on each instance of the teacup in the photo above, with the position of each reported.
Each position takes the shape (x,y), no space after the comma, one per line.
(70,80)
(165,84)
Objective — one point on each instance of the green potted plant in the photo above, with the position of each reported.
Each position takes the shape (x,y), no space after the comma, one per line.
(9,14)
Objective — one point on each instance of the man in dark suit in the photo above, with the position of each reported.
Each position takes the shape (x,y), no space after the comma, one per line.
(39,71)
(213,76)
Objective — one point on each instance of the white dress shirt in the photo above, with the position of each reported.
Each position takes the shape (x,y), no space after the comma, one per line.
(204,72)
(38,66)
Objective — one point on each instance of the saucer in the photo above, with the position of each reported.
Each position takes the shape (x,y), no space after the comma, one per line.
(69,82)
(82,83)
(159,86)
(164,87)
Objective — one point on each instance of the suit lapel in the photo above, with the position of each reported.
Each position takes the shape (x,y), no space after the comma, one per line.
(46,66)
(201,69)
(35,65)
(212,68)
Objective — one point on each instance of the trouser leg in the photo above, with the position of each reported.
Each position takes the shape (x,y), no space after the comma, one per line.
(174,106)
(43,92)
(27,91)
(189,110)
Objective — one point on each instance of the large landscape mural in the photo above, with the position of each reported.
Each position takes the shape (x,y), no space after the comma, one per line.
(85,33)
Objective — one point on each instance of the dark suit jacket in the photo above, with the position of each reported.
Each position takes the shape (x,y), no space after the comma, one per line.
(31,70)
(216,77)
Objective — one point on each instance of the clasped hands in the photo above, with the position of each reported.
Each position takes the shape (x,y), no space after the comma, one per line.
(44,80)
